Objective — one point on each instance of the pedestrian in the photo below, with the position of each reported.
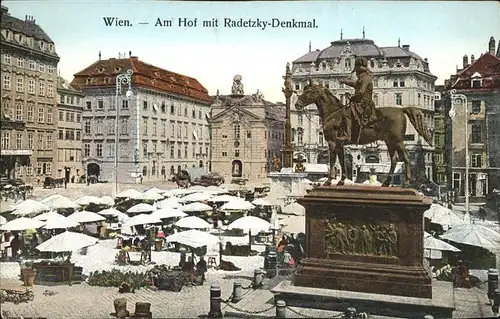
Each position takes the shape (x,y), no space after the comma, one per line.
(65,183)
(15,245)
(201,268)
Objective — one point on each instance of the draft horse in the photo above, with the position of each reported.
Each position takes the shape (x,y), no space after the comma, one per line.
(389,127)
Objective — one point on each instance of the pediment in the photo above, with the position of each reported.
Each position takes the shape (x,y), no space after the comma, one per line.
(236,114)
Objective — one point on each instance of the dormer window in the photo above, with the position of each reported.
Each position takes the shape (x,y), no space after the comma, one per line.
(157,74)
(476,80)
(89,81)
(100,70)
(118,69)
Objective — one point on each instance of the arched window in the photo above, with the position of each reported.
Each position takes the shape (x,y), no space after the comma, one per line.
(201,163)
(153,170)
(300,134)
(172,170)
(294,132)
(163,171)
(320,138)
(144,171)
(179,169)
(237,129)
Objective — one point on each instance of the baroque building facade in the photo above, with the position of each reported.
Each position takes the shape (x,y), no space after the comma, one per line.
(28,99)
(162,127)
(247,134)
(69,132)
(401,78)
(479,81)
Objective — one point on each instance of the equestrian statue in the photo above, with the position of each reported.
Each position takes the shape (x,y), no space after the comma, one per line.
(359,122)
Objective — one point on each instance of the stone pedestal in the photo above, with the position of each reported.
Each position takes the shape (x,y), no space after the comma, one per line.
(287,184)
(365,239)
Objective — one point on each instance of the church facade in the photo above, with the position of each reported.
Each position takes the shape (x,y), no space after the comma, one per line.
(247,134)
(401,78)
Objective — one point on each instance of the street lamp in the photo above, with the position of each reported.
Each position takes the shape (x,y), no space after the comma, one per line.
(121,79)
(455,100)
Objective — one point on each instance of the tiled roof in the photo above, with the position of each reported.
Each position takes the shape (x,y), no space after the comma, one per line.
(29,27)
(309,57)
(488,66)
(399,52)
(60,86)
(103,73)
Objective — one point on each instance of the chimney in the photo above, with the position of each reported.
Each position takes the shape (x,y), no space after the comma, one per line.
(425,59)
(472,59)
(309,45)
(399,42)
(498,50)
(406,47)
(99,55)
(129,54)
(491,46)
(465,61)
(341,34)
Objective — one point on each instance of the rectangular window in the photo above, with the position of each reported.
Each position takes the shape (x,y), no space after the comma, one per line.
(476,132)
(7,58)
(19,111)
(78,118)
(20,62)
(89,105)
(476,107)
(61,134)
(402,83)
(49,140)
(48,168)
(61,116)
(5,140)
(78,135)
(49,115)
(31,139)
(32,65)
(86,127)
(41,113)
(6,82)
(476,160)
(98,150)
(145,126)
(31,86)
(41,89)
(72,117)
(50,90)
(29,170)
(67,116)
(19,141)
(86,150)
(154,127)
(41,144)
(172,151)
(100,104)
(399,99)
(19,85)
(124,127)
(375,99)
(41,67)
(224,154)
(125,104)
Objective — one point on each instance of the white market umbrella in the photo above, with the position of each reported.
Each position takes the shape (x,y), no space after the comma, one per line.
(169,202)
(87,200)
(443,216)
(142,219)
(22,223)
(141,208)
(50,198)
(150,195)
(430,242)
(224,198)
(109,212)
(29,207)
(193,238)
(196,197)
(5,207)
(61,203)
(107,200)
(294,209)
(179,192)
(85,217)
(67,241)
(3,220)
(156,190)
(196,207)
(198,188)
(168,213)
(130,193)
(192,222)
(474,235)
(250,224)
(48,216)
(261,202)
(238,205)
(60,223)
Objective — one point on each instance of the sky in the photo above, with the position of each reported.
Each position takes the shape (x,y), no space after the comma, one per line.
(442,31)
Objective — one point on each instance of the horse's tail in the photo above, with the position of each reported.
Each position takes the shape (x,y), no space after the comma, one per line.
(417,120)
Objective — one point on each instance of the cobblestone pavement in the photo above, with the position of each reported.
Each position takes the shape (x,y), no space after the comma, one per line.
(84,301)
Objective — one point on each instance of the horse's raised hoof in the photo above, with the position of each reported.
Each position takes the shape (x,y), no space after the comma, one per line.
(341,183)
(328,182)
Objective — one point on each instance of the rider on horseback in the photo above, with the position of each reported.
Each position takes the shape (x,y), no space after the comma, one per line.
(361,105)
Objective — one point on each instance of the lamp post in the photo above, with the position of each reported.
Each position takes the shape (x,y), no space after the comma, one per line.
(121,79)
(288,91)
(455,100)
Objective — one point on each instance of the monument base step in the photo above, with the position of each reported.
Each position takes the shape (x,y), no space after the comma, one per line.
(441,305)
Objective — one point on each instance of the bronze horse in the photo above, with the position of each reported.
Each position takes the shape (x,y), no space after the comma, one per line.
(390,127)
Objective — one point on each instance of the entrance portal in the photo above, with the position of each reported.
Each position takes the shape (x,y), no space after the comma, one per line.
(237,168)
(93,169)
